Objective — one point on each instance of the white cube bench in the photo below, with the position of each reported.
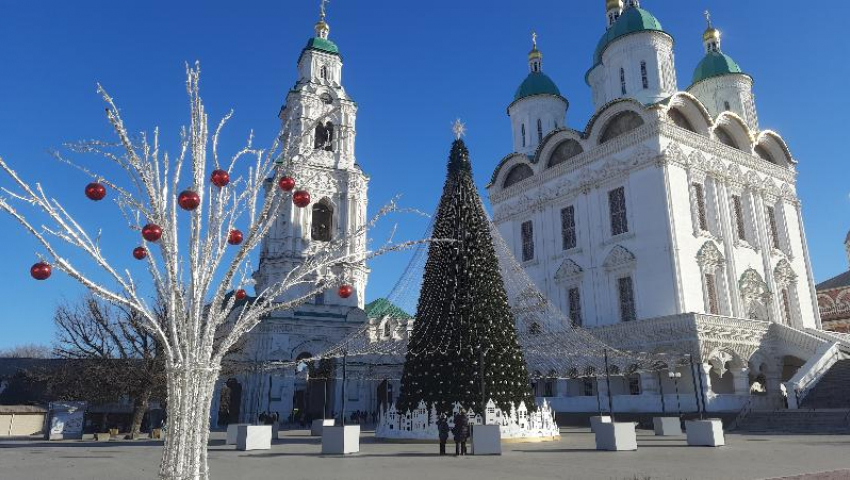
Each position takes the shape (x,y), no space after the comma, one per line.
(232,430)
(317,426)
(340,440)
(254,437)
(486,440)
(596,420)
(667,426)
(705,433)
(616,437)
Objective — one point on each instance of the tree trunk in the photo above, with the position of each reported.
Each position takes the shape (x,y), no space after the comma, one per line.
(140,407)
(190,389)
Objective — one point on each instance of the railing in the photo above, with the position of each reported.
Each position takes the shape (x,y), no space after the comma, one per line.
(810,373)
(742,415)
(843,339)
(807,344)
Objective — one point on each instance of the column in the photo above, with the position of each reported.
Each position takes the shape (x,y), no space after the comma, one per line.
(707,392)
(741,380)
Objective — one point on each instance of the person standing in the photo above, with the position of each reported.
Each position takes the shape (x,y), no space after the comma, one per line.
(443,430)
(461,432)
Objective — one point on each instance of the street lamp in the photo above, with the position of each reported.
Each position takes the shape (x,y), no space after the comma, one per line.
(675,376)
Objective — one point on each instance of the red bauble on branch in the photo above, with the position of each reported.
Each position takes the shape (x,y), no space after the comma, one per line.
(41,271)
(235,237)
(301,198)
(139,253)
(241,294)
(189,200)
(220,178)
(95,191)
(286,184)
(151,232)
(345,291)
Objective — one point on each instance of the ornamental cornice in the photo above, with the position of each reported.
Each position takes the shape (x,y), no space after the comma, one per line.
(582,160)
(716,149)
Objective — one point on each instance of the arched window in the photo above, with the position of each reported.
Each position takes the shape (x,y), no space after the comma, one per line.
(622,81)
(680,119)
(518,174)
(324,72)
(326,98)
(725,137)
(644,76)
(324,137)
(764,154)
(387,328)
(539,131)
(622,123)
(322,222)
(564,152)
(523,135)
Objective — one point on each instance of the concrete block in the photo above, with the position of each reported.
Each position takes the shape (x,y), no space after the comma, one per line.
(486,440)
(254,437)
(667,426)
(102,437)
(705,433)
(317,425)
(616,436)
(595,421)
(341,440)
(232,431)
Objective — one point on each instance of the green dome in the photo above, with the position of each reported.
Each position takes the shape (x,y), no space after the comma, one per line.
(323,45)
(632,20)
(536,83)
(715,64)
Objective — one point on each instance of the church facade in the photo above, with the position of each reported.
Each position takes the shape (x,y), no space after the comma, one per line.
(669,223)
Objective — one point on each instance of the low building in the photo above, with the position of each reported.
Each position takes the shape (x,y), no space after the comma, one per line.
(834,298)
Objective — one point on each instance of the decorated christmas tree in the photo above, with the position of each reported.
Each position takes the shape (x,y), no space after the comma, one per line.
(464,328)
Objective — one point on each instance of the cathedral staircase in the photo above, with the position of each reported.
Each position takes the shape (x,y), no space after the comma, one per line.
(832,390)
(824,422)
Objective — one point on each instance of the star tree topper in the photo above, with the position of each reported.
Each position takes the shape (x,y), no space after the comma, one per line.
(459,128)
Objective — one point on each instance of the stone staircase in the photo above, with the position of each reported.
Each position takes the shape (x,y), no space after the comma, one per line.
(797,421)
(832,390)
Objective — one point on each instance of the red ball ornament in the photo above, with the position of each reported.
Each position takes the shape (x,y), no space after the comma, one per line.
(235,237)
(345,291)
(286,184)
(41,271)
(241,294)
(139,253)
(188,200)
(220,178)
(151,232)
(301,198)
(95,191)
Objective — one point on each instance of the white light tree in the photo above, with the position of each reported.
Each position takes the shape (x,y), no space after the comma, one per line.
(194,266)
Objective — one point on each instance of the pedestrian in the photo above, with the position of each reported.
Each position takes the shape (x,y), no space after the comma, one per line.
(461,432)
(443,429)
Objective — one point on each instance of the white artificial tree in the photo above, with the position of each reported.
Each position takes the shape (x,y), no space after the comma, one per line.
(193,273)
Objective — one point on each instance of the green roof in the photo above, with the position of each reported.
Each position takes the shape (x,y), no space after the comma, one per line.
(384,308)
(323,45)
(536,83)
(632,20)
(715,64)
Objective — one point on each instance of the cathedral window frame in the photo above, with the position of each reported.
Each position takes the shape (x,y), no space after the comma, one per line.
(539,131)
(331,212)
(715,289)
(526,232)
(788,298)
(621,264)
(644,75)
(618,211)
(569,230)
(626,298)
(574,306)
(623,89)
(699,207)
(522,133)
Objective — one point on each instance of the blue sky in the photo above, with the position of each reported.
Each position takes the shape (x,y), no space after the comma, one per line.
(413,67)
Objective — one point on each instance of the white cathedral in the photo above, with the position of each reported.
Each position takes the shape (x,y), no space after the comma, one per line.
(669,223)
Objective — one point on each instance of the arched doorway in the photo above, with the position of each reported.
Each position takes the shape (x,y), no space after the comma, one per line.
(385,395)
(230,402)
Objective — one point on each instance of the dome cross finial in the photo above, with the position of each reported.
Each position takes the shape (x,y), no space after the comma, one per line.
(711,37)
(534,39)
(322,28)
(708,18)
(322,5)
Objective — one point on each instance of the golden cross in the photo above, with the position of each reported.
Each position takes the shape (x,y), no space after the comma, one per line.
(708,18)
(322,7)
(459,128)
(534,39)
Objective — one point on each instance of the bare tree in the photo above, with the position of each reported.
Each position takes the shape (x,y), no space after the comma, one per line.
(116,354)
(192,271)
(29,350)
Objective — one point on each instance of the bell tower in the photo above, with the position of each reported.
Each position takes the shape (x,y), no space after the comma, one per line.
(317,134)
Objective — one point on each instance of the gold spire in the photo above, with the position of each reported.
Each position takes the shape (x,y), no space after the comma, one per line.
(322,28)
(711,33)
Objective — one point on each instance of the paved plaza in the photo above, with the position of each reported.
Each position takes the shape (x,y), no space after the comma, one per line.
(295,456)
